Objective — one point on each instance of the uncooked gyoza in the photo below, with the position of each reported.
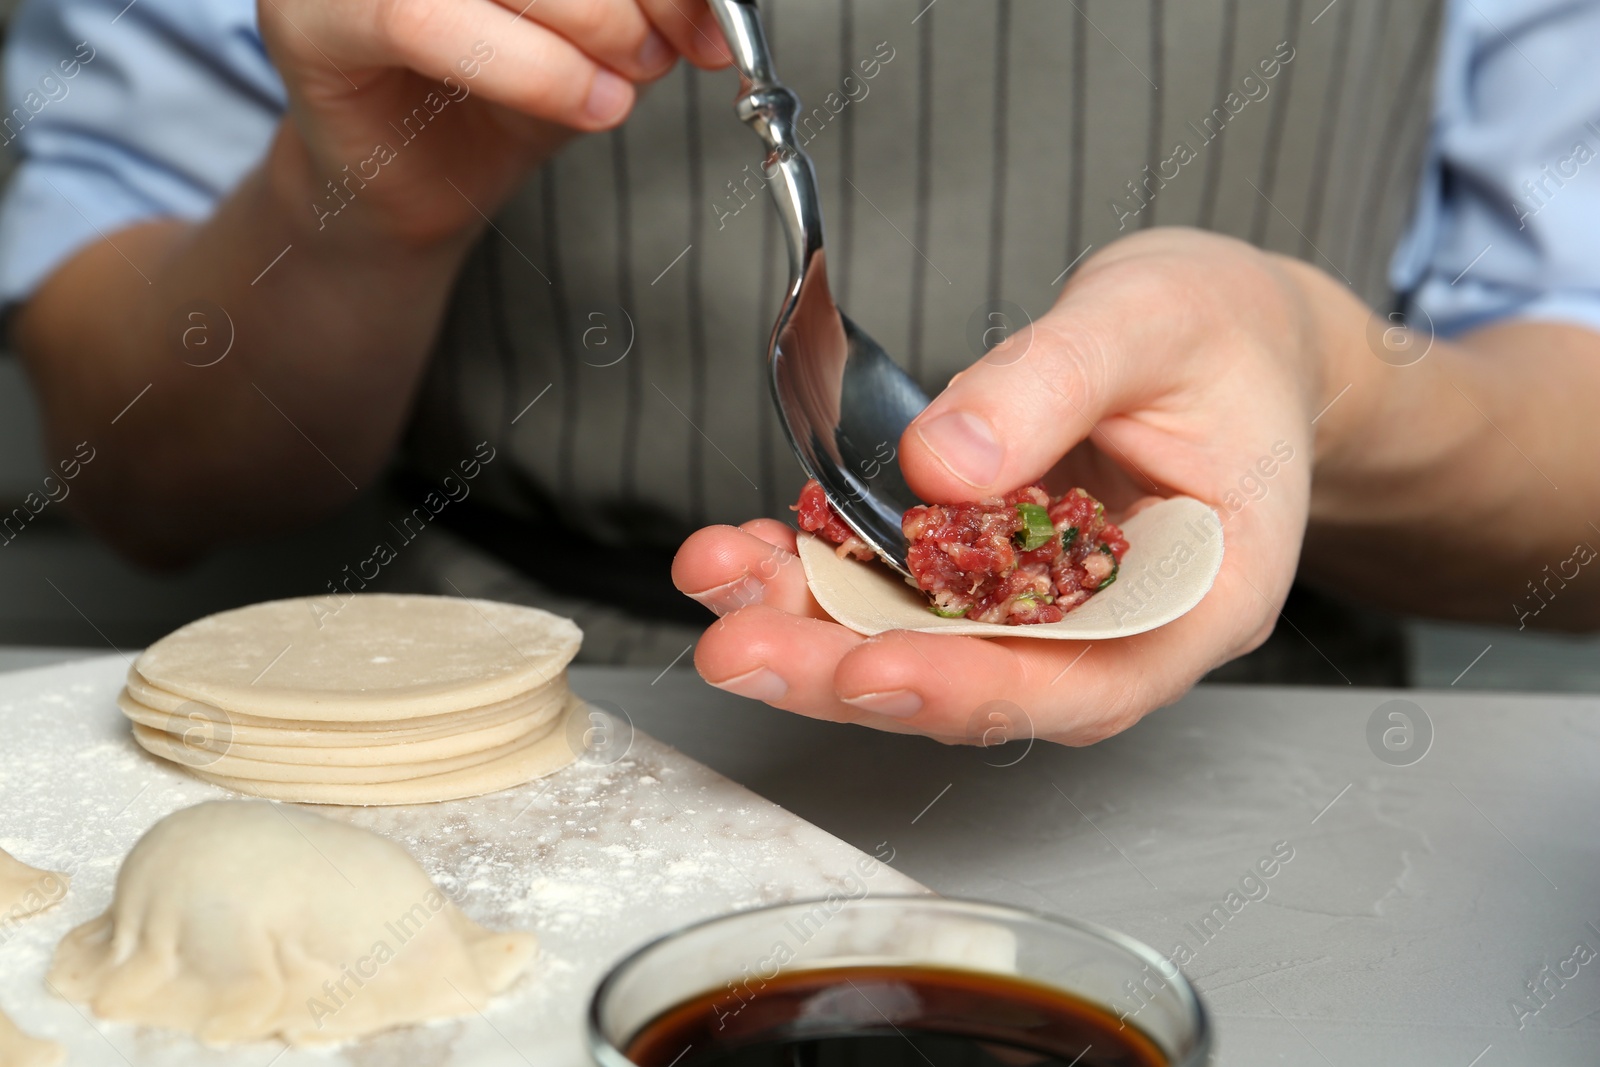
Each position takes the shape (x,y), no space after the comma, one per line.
(25,891)
(244,920)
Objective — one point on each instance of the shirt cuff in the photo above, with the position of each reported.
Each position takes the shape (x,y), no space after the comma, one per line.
(52,211)
(1450,311)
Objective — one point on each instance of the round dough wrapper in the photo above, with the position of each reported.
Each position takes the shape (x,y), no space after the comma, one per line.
(378,657)
(235,765)
(26,890)
(242,921)
(205,737)
(17,1049)
(1174,554)
(546,756)
(159,706)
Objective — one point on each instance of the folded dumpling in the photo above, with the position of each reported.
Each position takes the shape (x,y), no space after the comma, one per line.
(24,890)
(246,920)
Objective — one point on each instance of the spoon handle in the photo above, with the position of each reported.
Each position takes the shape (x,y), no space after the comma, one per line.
(769,107)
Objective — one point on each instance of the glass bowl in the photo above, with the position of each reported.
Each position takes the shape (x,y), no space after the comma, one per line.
(741,951)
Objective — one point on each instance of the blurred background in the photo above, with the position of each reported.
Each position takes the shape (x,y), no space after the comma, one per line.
(59,588)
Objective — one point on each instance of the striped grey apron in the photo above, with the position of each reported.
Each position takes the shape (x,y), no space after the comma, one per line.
(607,337)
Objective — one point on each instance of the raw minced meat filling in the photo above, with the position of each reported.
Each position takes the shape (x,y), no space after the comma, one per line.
(818,516)
(1022,558)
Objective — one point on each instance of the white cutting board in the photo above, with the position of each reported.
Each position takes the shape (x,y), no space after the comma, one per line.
(594,860)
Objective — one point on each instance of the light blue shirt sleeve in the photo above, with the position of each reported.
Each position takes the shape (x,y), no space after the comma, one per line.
(1507,223)
(125,112)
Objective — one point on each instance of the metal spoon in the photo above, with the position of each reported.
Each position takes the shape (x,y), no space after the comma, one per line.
(844,403)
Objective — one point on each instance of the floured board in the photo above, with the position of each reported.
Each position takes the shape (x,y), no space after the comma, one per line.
(594,860)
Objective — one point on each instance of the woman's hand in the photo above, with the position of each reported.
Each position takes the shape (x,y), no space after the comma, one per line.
(407,95)
(1174,363)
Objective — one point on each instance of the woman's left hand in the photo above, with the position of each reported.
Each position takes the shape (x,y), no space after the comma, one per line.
(1175,363)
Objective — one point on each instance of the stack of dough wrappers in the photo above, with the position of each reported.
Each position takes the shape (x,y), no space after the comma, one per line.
(372,699)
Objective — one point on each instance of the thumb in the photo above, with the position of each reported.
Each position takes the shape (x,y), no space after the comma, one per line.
(1007,419)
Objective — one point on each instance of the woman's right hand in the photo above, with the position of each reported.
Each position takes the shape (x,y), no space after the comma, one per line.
(393,102)
(329,265)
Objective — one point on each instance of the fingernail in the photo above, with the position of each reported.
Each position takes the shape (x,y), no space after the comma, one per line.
(896,703)
(654,51)
(609,97)
(726,599)
(966,446)
(760,684)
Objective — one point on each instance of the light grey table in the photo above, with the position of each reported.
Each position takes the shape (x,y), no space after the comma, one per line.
(1434,913)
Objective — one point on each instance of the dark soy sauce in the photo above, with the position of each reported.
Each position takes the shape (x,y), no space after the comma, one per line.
(890,1017)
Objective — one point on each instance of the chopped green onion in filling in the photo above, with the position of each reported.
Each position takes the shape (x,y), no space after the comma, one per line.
(943,614)
(1069,537)
(1115,567)
(1037,528)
